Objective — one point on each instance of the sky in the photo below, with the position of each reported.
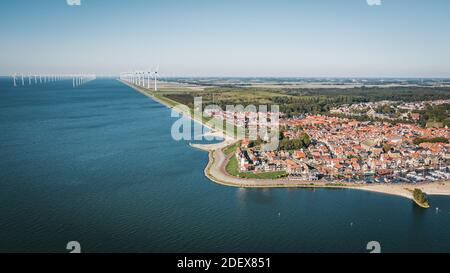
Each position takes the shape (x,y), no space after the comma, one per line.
(247,38)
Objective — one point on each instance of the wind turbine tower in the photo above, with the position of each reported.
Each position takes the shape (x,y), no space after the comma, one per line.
(156,78)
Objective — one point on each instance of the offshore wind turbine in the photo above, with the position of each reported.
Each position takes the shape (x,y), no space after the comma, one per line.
(14,80)
(23,81)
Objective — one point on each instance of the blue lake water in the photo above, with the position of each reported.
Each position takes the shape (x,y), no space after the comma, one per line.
(97,164)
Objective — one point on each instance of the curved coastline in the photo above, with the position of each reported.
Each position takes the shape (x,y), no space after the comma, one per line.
(215,171)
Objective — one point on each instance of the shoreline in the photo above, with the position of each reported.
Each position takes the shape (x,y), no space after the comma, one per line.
(213,132)
(215,170)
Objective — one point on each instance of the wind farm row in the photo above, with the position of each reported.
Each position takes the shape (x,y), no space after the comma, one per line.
(142,78)
(34,79)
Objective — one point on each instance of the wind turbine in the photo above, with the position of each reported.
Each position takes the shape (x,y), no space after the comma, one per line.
(14,80)
(23,81)
(155,75)
(149,75)
(139,78)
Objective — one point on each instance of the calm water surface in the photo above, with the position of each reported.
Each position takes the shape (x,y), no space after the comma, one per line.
(97,164)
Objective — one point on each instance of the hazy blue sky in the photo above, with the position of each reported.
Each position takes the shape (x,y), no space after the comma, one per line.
(228,37)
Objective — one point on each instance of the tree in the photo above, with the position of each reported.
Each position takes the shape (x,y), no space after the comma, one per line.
(306,140)
(303,141)
(420,197)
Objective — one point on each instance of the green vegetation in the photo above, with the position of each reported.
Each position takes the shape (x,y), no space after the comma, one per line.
(223,96)
(214,123)
(264,175)
(419,140)
(164,99)
(435,116)
(314,101)
(335,185)
(420,198)
(232,168)
(255,143)
(231,148)
(371,94)
(295,101)
(385,109)
(302,142)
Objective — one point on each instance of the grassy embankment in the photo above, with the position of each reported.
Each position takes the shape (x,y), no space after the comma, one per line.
(212,122)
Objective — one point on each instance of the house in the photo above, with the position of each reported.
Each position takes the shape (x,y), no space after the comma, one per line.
(299,154)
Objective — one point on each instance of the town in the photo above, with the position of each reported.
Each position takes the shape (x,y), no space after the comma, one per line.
(337,149)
